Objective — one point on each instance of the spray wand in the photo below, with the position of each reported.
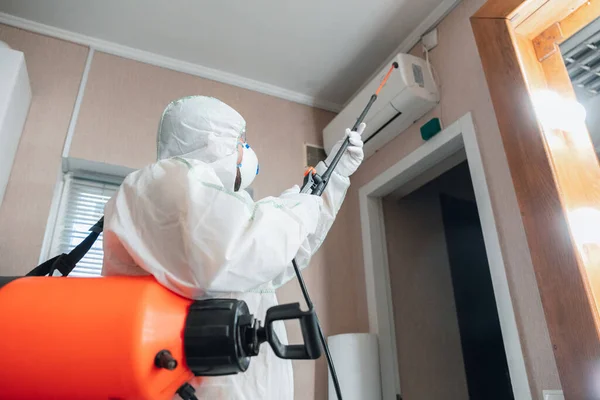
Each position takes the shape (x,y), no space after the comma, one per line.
(315,184)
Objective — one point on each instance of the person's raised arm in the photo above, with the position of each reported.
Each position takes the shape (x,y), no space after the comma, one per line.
(198,238)
(333,197)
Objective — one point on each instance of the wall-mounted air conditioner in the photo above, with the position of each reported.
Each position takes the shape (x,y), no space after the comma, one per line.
(15,97)
(410,93)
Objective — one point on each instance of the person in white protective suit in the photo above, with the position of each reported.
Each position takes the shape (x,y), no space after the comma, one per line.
(187,220)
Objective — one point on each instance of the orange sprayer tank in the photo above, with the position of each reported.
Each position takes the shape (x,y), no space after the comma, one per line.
(128,338)
(51,329)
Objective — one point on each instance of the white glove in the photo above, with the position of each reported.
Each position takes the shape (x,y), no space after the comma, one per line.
(353,156)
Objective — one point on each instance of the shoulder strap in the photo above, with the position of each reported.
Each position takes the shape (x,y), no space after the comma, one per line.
(65,263)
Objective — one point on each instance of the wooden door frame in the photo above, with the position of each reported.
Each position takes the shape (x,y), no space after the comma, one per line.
(554,169)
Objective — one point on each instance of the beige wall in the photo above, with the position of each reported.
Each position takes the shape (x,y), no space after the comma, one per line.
(427,332)
(55,69)
(117,124)
(463,89)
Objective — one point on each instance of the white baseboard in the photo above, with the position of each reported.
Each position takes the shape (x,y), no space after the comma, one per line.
(553,395)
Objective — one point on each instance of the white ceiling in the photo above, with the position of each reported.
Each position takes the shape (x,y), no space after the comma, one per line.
(323,49)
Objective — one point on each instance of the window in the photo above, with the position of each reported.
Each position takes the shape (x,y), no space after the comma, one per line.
(81,206)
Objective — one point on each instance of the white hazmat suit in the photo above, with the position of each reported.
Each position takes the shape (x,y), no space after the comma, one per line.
(180,220)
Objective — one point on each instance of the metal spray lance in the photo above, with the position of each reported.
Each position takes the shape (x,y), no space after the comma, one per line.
(315,184)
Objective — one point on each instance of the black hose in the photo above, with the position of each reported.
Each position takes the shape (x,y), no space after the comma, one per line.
(309,303)
(318,191)
(187,392)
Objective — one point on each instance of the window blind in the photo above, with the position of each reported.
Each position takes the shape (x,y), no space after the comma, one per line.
(81,206)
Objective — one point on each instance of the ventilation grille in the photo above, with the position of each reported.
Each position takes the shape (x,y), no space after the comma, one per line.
(314,155)
(583,61)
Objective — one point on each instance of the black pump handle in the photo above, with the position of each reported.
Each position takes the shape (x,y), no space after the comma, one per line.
(311,349)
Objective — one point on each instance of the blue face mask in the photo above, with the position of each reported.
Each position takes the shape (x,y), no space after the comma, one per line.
(249,166)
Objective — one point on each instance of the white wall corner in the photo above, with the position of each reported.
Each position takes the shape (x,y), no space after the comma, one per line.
(78,101)
(52,217)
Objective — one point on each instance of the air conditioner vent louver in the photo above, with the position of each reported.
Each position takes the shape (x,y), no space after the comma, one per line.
(411,92)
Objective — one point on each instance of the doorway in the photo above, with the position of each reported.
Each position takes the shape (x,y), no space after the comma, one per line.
(445,314)
(456,143)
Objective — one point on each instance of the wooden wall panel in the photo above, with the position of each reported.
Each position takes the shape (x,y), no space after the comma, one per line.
(580,18)
(557,181)
(550,12)
(504,9)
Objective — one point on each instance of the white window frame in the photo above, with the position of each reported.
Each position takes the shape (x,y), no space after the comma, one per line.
(81,169)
